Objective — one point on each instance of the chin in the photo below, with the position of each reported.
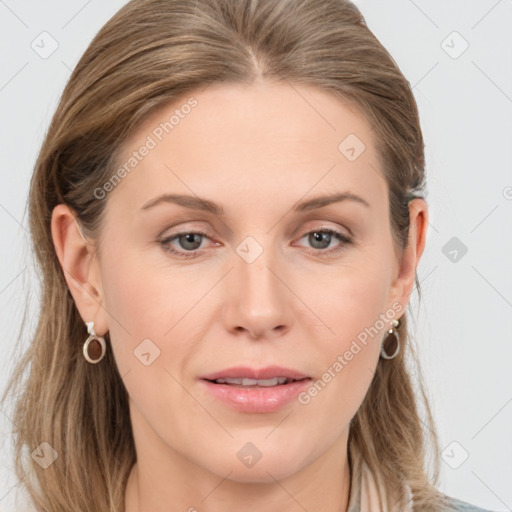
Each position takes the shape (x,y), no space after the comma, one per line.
(263,472)
(250,464)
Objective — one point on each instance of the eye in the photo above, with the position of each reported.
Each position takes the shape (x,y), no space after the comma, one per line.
(189,241)
(321,238)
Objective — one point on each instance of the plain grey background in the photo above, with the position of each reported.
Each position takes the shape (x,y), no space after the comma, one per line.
(457,55)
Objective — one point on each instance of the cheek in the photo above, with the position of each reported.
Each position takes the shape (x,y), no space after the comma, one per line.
(142,290)
(148,334)
(351,300)
(353,306)
(142,308)
(131,298)
(154,314)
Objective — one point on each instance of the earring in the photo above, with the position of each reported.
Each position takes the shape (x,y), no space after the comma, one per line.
(391,332)
(95,347)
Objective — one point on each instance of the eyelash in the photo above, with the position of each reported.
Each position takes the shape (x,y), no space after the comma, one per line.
(346,240)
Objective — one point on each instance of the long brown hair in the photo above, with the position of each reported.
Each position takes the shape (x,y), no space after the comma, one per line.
(150,53)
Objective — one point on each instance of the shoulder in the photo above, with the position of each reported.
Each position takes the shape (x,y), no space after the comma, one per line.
(463,506)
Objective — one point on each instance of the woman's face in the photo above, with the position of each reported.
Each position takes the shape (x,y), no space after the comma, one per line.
(189,292)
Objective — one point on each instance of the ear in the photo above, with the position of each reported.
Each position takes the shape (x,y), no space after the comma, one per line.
(405,279)
(80,265)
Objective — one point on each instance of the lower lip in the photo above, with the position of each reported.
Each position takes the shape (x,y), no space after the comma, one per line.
(257,399)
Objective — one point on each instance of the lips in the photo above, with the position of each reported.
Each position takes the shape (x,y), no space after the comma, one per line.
(253,390)
(245,372)
(276,381)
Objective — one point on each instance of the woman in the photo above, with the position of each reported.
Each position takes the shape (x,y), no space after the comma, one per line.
(228,212)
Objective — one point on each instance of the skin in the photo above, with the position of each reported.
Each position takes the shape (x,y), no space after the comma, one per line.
(256,150)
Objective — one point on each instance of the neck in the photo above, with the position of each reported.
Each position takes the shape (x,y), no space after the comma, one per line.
(155,484)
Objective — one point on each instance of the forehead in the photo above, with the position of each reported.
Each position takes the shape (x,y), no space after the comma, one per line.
(246,142)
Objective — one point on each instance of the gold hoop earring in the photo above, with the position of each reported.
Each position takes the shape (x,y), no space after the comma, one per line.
(94,348)
(391,333)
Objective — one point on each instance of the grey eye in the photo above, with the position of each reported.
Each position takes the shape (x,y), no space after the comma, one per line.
(322,238)
(190,241)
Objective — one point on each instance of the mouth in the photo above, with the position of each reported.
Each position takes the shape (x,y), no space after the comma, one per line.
(256,383)
(250,376)
(255,391)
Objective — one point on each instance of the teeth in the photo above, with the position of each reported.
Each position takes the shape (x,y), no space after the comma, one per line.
(254,382)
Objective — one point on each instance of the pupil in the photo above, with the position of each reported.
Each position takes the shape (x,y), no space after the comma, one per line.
(189,239)
(321,236)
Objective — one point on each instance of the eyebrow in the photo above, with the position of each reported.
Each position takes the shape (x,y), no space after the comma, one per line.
(197,203)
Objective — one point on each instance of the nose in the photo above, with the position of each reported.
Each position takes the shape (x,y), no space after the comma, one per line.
(257,300)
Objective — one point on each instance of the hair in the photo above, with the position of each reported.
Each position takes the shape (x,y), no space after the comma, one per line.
(149,54)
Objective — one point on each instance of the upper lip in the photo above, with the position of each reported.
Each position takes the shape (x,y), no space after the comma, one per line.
(269,372)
